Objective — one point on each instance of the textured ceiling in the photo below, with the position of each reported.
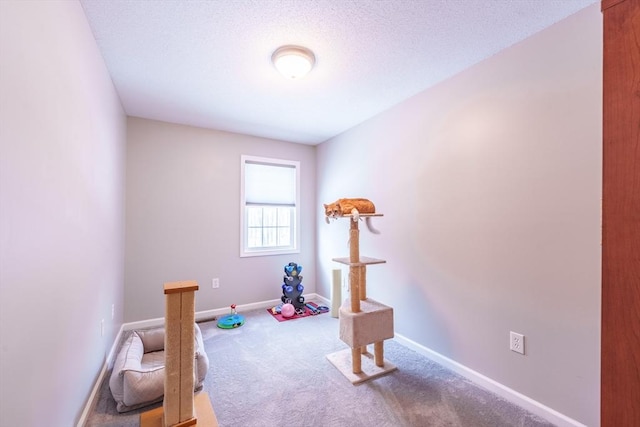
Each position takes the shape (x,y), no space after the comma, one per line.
(207,63)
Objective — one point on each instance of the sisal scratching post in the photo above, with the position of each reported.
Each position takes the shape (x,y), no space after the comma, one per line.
(362,282)
(336,292)
(187,350)
(354,241)
(171,402)
(179,350)
(180,407)
(354,289)
(354,272)
(354,286)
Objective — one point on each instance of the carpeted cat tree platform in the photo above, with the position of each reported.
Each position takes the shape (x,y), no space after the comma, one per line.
(363,321)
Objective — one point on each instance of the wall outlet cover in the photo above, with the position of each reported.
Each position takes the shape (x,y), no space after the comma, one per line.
(516,342)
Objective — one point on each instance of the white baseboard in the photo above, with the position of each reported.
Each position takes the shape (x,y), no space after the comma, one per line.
(216,312)
(501,390)
(325,301)
(108,363)
(152,323)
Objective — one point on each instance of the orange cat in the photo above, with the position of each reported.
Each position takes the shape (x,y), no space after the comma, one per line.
(353,207)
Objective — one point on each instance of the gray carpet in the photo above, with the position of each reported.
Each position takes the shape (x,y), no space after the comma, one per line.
(270,373)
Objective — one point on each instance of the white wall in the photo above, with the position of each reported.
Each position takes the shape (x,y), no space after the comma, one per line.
(490,184)
(62,147)
(183,217)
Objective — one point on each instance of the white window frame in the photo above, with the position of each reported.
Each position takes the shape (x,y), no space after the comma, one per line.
(295,227)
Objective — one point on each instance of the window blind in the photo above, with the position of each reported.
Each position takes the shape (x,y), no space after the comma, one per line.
(268,184)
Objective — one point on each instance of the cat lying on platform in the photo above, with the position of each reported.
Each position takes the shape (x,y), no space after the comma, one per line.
(353,207)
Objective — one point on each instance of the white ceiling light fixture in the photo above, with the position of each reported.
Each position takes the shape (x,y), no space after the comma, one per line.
(293,62)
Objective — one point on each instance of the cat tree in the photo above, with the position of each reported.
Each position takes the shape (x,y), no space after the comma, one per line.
(363,321)
(180,406)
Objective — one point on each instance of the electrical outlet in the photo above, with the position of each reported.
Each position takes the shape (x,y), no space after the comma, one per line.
(102,328)
(516,342)
(215,283)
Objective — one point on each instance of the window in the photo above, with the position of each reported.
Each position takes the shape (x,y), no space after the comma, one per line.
(270,193)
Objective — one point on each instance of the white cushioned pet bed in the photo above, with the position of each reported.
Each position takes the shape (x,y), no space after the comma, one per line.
(137,378)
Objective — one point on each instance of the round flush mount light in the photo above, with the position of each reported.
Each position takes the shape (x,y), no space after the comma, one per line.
(293,62)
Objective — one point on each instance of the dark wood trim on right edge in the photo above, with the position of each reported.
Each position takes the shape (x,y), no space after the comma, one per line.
(606,4)
(620,340)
